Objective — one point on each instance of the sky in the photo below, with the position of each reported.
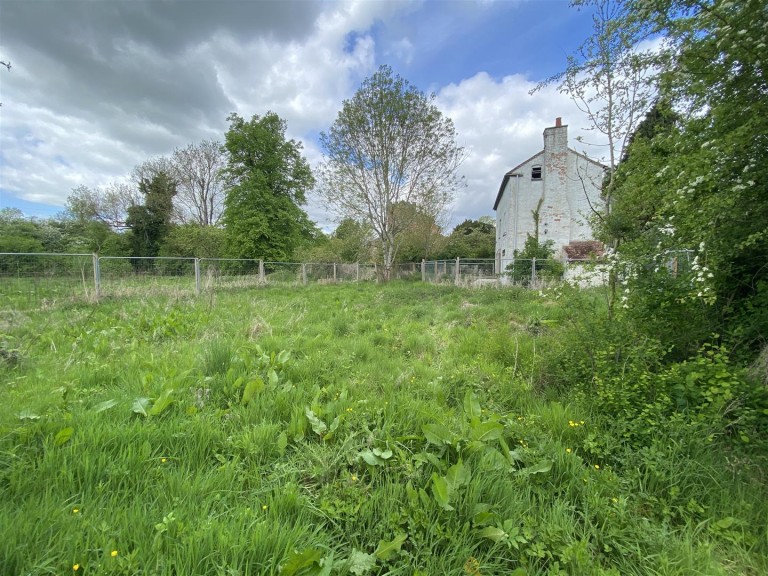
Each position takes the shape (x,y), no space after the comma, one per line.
(97,87)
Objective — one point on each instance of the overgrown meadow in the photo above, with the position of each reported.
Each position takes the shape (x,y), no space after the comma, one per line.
(370,429)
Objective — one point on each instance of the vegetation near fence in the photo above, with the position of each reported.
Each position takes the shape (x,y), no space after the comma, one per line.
(361,429)
(36,279)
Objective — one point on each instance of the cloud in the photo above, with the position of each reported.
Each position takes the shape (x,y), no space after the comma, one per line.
(501,124)
(99,86)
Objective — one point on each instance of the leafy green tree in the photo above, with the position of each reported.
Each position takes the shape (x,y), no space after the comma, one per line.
(19,234)
(150,222)
(390,145)
(471,239)
(268,180)
(706,177)
(194,241)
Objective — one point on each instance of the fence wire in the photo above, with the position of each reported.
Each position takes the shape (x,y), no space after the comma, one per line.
(37,280)
(34,279)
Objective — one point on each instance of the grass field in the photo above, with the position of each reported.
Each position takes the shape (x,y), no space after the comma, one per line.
(353,429)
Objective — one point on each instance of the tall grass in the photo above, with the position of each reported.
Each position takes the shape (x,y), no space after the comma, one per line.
(355,429)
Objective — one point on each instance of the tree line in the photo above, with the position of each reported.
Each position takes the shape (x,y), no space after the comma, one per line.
(390,172)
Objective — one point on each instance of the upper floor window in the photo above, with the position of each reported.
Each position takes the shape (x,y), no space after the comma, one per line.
(536,173)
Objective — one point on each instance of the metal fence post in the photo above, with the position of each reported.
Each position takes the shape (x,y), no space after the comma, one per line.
(457,279)
(197,276)
(533,271)
(261,271)
(304,274)
(334,272)
(423,270)
(357,271)
(96,276)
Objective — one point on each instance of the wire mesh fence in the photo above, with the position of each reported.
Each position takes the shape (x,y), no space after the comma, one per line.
(34,279)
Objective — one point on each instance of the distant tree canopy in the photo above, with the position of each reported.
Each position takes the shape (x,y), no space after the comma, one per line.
(267,180)
(471,239)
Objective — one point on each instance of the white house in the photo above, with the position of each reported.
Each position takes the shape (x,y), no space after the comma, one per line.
(559,184)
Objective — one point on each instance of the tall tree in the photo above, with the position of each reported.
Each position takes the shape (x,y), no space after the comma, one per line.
(712,188)
(201,187)
(268,179)
(390,144)
(612,81)
(150,222)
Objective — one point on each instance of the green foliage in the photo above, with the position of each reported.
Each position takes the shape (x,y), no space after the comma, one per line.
(471,239)
(268,181)
(150,222)
(391,162)
(521,270)
(194,241)
(183,436)
(698,180)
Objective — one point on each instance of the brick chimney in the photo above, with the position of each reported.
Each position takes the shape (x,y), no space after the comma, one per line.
(558,122)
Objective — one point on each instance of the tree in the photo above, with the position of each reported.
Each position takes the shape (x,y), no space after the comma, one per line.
(422,237)
(268,179)
(388,145)
(201,189)
(107,205)
(612,81)
(193,241)
(150,222)
(472,239)
(709,173)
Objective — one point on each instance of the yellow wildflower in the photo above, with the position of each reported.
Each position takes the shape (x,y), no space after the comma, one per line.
(264,507)
(114,553)
(567,450)
(163,460)
(354,478)
(75,510)
(76,567)
(597,466)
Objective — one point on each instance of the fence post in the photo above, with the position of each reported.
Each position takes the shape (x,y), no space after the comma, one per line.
(261,271)
(423,270)
(334,272)
(457,279)
(357,271)
(304,274)
(96,276)
(533,272)
(197,276)
(376,272)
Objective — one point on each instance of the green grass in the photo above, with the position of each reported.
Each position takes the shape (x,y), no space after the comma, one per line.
(406,429)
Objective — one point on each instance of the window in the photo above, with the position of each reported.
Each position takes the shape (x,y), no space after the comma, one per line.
(536,173)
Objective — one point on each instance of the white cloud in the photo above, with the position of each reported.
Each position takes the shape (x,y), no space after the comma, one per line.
(500,124)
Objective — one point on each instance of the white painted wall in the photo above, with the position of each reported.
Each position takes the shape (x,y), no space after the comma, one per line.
(569,184)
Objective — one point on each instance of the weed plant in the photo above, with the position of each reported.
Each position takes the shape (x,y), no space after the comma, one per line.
(368,429)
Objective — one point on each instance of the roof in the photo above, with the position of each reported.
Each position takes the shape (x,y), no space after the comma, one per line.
(583,249)
(511,173)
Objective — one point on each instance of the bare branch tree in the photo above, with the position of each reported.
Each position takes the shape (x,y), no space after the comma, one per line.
(201,188)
